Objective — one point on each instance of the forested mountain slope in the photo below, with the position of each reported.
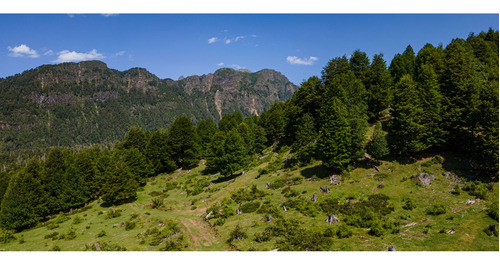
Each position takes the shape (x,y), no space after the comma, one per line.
(83,103)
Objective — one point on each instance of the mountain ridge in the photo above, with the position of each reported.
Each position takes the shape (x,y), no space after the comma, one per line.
(88,102)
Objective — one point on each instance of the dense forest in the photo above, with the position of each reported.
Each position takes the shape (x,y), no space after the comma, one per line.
(85,103)
(440,99)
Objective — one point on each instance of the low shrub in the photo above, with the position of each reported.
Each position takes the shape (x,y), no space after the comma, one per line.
(476,189)
(129,225)
(52,236)
(437,209)
(377,229)
(113,213)
(493,211)
(6,236)
(101,234)
(433,161)
(157,203)
(250,207)
(237,234)
(105,246)
(409,204)
(343,231)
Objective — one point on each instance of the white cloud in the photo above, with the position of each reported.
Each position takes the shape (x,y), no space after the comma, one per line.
(228,41)
(302,61)
(237,67)
(220,64)
(120,53)
(109,15)
(23,51)
(67,56)
(71,15)
(49,52)
(212,40)
(239,38)
(253,36)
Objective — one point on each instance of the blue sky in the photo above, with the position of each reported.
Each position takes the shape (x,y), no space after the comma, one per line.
(169,46)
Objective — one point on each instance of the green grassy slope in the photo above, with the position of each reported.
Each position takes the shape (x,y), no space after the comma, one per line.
(460,228)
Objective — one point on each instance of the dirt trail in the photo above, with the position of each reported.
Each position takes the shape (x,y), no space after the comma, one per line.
(205,235)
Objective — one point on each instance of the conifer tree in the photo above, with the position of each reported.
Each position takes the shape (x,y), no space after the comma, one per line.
(403,64)
(120,185)
(23,203)
(4,183)
(378,84)
(135,138)
(335,137)
(406,129)
(205,130)
(304,145)
(183,143)
(378,147)
(158,152)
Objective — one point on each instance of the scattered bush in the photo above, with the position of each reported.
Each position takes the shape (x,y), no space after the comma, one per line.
(493,210)
(476,189)
(155,193)
(433,161)
(56,248)
(343,231)
(437,209)
(380,176)
(246,195)
(237,234)
(409,204)
(134,216)
(77,220)
(288,192)
(168,233)
(101,234)
(377,229)
(129,225)
(105,246)
(329,232)
(6,236)
(157,203)
(250,207)
(113,213)
(456,190)
(52,236)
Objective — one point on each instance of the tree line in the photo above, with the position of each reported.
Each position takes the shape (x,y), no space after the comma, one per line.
(442,98)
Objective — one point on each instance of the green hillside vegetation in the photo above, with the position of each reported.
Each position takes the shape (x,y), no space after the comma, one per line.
(86,103)
(364,158)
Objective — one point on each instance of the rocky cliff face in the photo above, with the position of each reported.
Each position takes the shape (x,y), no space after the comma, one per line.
(87,102)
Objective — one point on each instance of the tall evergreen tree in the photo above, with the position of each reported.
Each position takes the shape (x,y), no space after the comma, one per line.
(183,143)
(54,181)
(23,203)
(84,167)
(304,145)
(431,102)
(352,94)
(135,138)
(120,185)
(360,64)
(378,86)
(4,183)
(205,130)
(406,130)
(230,121)
(159,153)
(403,64)
(378,147)
(260,139)
(335,137)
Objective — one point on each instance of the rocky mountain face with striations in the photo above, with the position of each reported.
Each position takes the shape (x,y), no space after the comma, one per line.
(87,102)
